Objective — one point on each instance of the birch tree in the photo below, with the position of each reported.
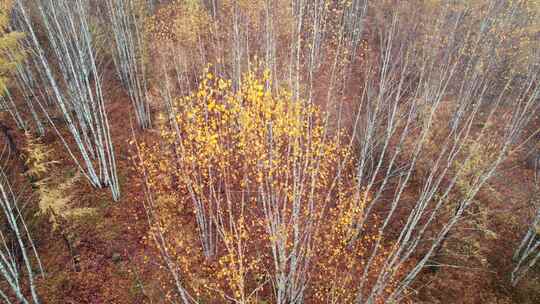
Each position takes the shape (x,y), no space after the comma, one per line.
(418,132)
(18,255)
(397,116)
(76,90)
(128,55)
(528,252)
(8,104)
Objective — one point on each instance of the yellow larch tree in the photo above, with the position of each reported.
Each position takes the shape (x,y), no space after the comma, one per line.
(8,41)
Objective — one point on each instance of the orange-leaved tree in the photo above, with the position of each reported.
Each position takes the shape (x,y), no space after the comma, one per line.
(252,197)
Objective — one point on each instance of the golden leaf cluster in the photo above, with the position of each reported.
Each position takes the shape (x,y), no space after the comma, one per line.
(229,155)
(8,44)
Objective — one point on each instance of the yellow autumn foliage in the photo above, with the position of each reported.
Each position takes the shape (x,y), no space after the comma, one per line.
(8,42)
(182,21)
(507,31)
(54,193)
(227,150)
(38,157)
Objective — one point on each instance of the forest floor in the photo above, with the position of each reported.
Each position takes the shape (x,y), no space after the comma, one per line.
(96,256)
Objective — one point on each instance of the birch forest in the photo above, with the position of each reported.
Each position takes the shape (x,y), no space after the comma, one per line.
(269,151)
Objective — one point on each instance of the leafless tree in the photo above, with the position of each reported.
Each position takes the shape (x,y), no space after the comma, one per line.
(528,251)
(128,54)
(76,89)
(18,254)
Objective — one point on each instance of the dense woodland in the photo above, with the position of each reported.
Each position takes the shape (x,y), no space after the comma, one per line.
(269,151)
